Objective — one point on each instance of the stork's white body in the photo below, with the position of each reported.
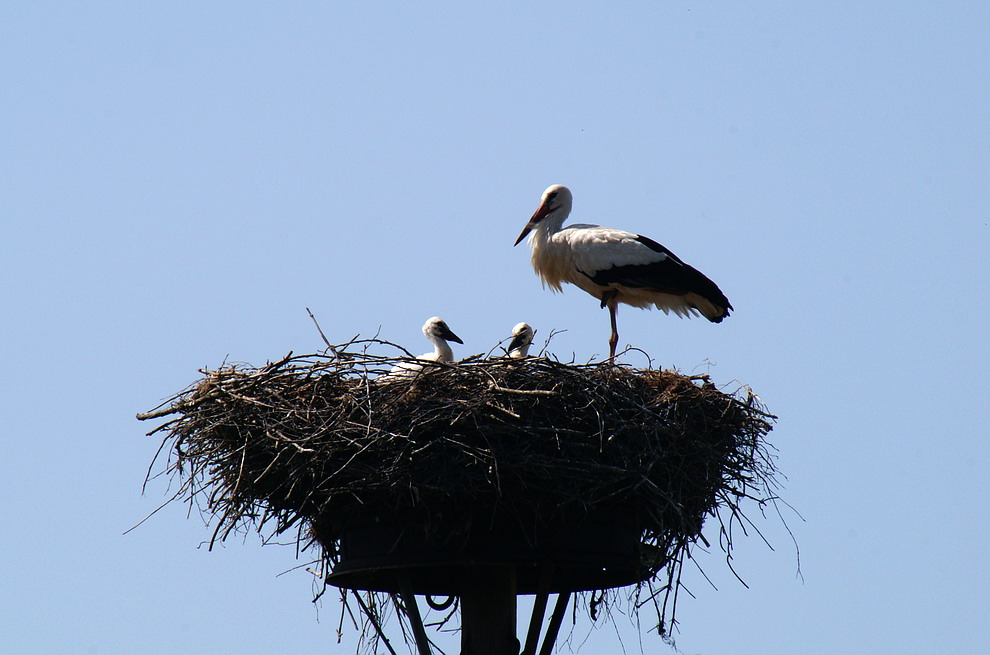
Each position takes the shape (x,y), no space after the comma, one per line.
(579,252)
(616,266)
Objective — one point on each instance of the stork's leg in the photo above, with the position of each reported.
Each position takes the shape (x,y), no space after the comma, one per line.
(608,300)
(614,339)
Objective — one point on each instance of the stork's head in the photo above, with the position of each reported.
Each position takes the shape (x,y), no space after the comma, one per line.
(556,201)
(522,337)
(436,328)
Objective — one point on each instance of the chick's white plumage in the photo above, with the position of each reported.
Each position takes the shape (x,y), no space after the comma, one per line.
(437,332)
(522,337)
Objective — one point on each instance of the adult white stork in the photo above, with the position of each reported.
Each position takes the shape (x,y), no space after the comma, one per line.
(522,337)
(436,330)
(616,266)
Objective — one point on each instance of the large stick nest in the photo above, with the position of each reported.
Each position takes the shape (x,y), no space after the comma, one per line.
(317,442)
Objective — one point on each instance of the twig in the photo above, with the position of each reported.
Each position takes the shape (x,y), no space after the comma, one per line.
(320,330)
(524,392)
(374,622)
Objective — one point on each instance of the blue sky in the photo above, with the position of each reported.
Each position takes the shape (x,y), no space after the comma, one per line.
(180,181)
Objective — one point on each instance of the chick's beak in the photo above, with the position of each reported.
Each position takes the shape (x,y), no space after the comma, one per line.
(450,336)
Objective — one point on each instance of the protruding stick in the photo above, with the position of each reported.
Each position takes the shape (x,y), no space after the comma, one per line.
(555,620)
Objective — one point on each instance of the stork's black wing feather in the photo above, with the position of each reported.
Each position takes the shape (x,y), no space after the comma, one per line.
(668,275)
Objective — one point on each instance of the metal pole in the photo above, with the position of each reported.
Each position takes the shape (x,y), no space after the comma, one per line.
(412,610)
(539,610)
(488,611)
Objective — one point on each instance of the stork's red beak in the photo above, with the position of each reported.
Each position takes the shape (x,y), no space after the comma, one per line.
(539,215)
(522,235)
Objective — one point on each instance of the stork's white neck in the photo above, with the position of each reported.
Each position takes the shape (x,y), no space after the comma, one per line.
(545,229)
(441,352)
(554,221)
(551,257)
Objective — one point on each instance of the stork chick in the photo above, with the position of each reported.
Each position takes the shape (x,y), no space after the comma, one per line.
(522,337)
(437,332)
